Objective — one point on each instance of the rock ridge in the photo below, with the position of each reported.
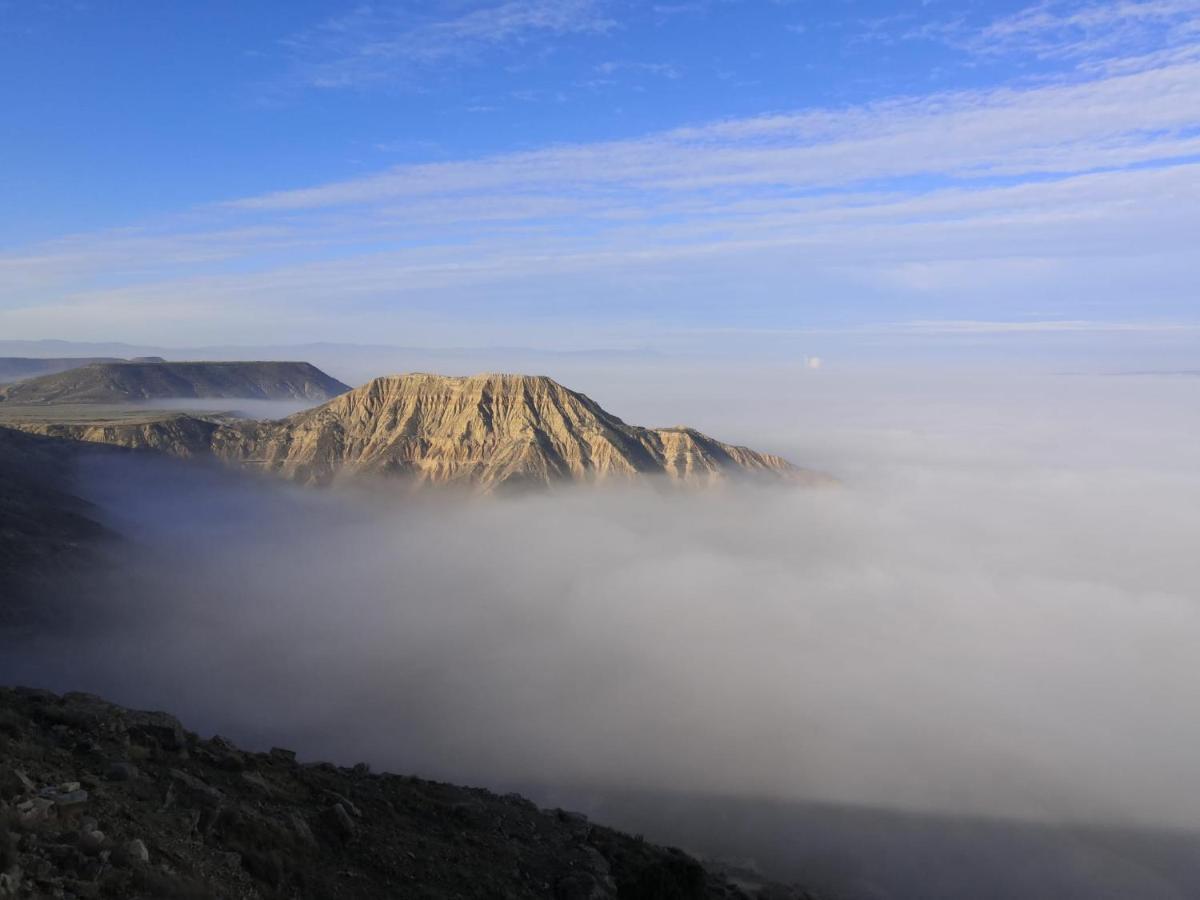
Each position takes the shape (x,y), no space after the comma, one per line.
(101,801)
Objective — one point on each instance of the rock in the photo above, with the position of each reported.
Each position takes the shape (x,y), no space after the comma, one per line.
(257,784)
(35,811)
(339,820)
(91,842)
(122,771)
(286,756)
(83,889)
(400,836)
(345,803)
(155,729)
(583,886)
(14,783)
(10,882)
(226,755)
(134,853)
(196,788)
(71,803)
(301,830)
(596,862)
(576,822)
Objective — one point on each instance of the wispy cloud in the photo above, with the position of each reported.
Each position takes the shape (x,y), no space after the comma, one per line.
(1087,33)
(664,70)
(394,43)
(1080,195)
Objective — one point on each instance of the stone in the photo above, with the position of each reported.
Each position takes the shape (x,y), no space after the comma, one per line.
(84,889)
(72,802)
(39,809)
(226,754)
(122,771)
(301,830)
(197,788)
(91,842)
(10,882)
(136,852)
(339,820)
(14,783)
(255,782)
(344,802)
(155,728)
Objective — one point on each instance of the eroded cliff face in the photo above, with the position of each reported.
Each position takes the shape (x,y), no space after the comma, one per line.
(177,435)
(483,431)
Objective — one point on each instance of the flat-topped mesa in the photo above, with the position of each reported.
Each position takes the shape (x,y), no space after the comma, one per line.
(482,431)
(151,379)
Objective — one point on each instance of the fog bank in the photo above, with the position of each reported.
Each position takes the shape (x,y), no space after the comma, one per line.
(996,615)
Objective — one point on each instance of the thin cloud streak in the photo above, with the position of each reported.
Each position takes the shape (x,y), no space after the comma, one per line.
(1078,189)
(376,45)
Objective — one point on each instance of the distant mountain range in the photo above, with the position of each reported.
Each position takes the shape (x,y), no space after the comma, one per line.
(484,431)
(137,380)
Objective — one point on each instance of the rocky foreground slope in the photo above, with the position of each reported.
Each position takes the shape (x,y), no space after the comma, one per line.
(100,801)
(122,382)
(483,431)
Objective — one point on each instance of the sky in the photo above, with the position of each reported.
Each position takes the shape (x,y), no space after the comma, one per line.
(851,179)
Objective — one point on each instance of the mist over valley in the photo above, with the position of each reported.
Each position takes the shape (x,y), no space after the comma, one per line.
(922,640)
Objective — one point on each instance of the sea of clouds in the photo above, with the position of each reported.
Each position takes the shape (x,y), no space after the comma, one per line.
(995,614)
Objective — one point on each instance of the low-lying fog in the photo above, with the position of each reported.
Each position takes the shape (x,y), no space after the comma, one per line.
(244,408)
(997,615)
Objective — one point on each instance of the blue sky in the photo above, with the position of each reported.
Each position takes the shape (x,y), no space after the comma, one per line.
(587,173)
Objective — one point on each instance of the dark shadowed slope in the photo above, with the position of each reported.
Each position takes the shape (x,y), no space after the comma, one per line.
(44,528)
(136,381)
(483,431)
(97,800)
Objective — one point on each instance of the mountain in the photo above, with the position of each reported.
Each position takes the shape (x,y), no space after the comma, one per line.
(112,802)
(483,431)
(122,382)
(486,430)
(15,368)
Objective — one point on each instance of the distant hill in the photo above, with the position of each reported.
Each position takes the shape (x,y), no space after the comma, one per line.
(15,368)
(483,431)
(119,382)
